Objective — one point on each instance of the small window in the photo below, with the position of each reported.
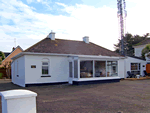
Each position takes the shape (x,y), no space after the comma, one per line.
(45,68)
(33,66)
(135,68)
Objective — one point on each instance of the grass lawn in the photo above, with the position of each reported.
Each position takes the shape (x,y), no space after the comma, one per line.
(125,96)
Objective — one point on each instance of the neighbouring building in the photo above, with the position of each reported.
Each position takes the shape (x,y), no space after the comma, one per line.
(140,46)
(8,55)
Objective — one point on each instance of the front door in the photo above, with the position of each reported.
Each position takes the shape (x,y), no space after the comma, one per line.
(148,68)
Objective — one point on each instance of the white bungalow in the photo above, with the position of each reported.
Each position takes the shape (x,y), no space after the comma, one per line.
(56,61)
(136,65)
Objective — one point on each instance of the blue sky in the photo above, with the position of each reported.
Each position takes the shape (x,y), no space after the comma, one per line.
(29,21)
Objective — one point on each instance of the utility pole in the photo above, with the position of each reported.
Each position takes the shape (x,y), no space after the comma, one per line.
(122,13)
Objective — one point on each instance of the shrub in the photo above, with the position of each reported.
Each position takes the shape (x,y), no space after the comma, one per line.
(1,74)
(145,50)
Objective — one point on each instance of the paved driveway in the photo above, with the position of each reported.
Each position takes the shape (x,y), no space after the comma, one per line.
(125,96)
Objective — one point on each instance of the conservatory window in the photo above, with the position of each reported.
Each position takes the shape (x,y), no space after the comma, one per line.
(112,68)
(100,68)
(86,69)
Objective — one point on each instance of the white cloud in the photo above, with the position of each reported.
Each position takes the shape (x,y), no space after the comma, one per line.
(100,24)
(29,1)
(61,4)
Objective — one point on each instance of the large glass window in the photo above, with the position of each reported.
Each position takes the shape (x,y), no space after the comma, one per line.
(86,69)
(100,69)
(76,69)
(112,69)
(45,68)
(135,68)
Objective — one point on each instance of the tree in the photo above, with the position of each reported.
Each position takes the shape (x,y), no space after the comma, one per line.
(7,66)
(129,41)
(2,56)
(145,50)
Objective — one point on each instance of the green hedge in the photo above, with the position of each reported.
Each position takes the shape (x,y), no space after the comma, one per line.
(1,74)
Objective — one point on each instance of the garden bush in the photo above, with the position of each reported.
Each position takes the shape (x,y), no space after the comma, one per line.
(1,74)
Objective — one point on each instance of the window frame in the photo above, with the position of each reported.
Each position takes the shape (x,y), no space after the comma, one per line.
(139,67)
(45,66)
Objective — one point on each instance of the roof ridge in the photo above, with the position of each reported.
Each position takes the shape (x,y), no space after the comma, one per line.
(68,40)
(140,43)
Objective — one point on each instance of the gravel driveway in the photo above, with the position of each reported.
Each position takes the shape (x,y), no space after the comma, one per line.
(124,96)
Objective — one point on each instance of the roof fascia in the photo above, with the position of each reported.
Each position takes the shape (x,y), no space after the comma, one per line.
(139,46)
(68,55)
(137,58)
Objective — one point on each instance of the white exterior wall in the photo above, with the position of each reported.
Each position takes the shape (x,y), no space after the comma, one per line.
(138,50)
(121,68)
(18,70)
(130,60)
(58,69)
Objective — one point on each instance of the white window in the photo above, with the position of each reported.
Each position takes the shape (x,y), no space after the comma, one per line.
(45,67)
(135,68)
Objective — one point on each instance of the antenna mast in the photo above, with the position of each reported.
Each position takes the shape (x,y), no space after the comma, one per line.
(122,13)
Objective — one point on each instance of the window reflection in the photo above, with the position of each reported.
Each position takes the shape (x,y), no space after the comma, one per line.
(100,69)
(86,69)
(112,68)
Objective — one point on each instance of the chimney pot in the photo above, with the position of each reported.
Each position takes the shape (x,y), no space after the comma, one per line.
(86,39)
(13,48)
(52,35)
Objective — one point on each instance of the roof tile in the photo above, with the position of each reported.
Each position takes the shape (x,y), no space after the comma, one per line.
(61,46)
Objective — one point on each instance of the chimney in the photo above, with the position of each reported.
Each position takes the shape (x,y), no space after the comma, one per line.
(86,39)
(52,35)
(13,48)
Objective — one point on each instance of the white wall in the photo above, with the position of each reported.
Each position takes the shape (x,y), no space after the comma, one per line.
(58,69)
(130,60)
(18,70)
(138,50)
(121,68)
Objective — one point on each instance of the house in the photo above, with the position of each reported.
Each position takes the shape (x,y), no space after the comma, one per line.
(140,46)
(75,62)
(144,64)
(8,56)
(136,65)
